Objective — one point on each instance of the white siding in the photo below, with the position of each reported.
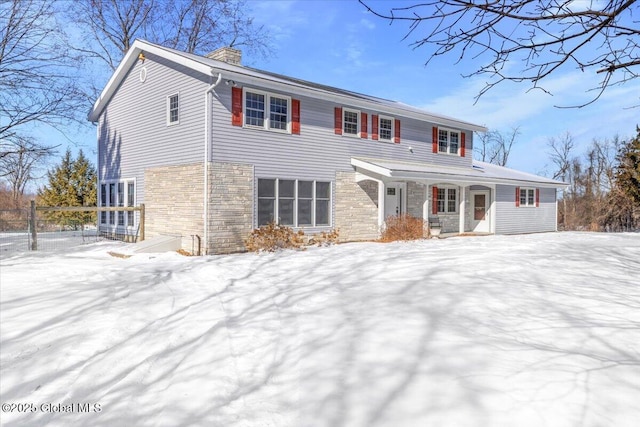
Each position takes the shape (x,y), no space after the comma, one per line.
(513,220)
(133,132)
(317,153)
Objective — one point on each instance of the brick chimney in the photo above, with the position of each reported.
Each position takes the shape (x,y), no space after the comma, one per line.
(226,54)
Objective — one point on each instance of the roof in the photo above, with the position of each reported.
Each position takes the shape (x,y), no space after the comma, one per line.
(478,173)
(254,76)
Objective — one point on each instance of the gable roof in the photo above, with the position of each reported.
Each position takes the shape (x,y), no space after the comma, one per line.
(250,75)
(479,173)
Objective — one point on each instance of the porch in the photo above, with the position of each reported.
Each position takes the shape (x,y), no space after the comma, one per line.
(450,204)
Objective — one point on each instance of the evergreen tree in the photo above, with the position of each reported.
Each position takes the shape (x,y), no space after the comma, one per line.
(628,176)
(71,183)
(622,211)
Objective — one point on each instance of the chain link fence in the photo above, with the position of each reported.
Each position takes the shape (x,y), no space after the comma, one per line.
(14,230)
(56,228)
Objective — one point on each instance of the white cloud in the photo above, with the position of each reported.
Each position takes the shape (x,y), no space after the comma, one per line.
(511,105)
(367,24)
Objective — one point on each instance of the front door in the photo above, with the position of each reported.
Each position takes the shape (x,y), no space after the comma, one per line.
(480,212)
(394,198)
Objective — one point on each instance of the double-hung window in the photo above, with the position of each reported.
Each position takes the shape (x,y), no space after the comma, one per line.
(385,129)
(173,109)
(448,141)
(295,203)
(350,122)
(447,200)
(528,197)
(267,111)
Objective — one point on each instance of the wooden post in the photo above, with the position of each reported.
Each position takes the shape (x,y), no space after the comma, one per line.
(34,233)
(141,222)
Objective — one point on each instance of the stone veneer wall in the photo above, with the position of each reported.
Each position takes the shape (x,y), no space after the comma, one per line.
(356,208)
(231,207)
(415,198)
(174,203)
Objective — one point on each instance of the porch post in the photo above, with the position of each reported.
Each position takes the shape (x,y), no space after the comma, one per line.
(463,205)
(381,193)
(425,205)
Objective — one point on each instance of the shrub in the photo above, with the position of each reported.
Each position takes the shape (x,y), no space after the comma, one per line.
(272,237)
(402,227)
(324,238)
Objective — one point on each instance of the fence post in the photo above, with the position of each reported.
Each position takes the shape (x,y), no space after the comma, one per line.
(141,222)
(34,233)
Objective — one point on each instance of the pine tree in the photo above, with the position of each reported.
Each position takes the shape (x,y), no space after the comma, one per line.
(622,211)
(628,176)
(71,183)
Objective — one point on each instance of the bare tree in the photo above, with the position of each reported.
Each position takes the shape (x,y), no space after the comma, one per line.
(19,163)
(35,66)
(194,26)
(200,26)
(494,146)
(112,26)
(561,155)
(565,165)
(545,35)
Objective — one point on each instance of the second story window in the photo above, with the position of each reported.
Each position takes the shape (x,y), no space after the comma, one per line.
(173,109)
(448,141)
(266,111)
(279,108)
(254,109)
(385,129)
(350,122)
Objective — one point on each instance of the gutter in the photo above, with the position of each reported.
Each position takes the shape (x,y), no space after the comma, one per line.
(207,145)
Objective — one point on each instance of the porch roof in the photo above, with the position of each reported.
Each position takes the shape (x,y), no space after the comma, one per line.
(477,173)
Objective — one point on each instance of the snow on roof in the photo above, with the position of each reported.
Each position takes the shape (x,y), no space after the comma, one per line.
(479,172)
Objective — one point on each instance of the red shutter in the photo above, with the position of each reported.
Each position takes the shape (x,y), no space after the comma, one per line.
(462,144)
(363,126)
(295,116)
(517,197)
(397,131)
(236,106)
(537,197)
(338,121)
(374,127)
(434,204)
(435,140)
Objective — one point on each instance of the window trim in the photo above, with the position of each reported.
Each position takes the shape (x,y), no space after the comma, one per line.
(358,122)
(112,218)
(169,122)
(393,128)
(314,198)
(267,110)
(449,132)
(445,200)
(526,197)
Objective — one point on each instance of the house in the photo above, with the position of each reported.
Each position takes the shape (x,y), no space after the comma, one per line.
(214,149)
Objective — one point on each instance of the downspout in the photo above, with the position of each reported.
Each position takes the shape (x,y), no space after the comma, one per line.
(207,145)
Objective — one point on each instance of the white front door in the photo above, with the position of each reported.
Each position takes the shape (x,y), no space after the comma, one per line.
(394,199)
(480,211)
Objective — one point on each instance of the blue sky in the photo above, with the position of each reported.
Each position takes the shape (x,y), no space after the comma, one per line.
(339,43)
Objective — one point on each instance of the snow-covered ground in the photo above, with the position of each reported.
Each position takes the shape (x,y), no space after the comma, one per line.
(51,241)
(535,330)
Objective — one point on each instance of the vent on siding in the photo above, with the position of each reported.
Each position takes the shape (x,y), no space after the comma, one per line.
(226,54)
